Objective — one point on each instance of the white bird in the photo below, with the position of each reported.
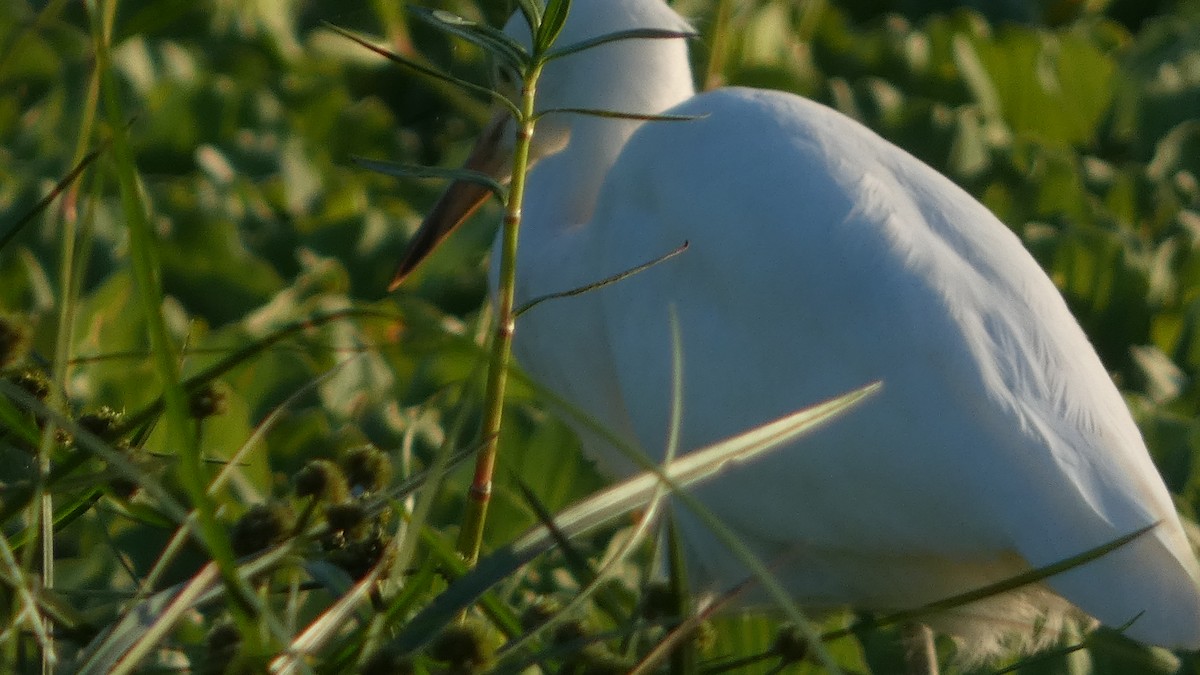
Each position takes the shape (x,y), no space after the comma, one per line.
(823,258)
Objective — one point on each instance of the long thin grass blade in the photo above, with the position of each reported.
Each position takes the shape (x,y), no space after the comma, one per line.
(699,465)
(426,70)
(601,283)
(122,646)
(636,34)
(618,115)
(29,613)
(58,189)
(397,170)
(493,41)
(615,502)
(1019,581)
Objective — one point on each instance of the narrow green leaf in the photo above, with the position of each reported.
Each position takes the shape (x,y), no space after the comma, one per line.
(618,115)
(1031,577)
(635,34)
(24,600)
(697,466)
(1003,586)
(124,644)
(426,70)
(601,283)
(532,11)
(552,24)
(413,171)
(493,41)
(97,447)
(615,502)
(58,189)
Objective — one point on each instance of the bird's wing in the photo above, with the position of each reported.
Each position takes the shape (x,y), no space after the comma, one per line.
(823,258)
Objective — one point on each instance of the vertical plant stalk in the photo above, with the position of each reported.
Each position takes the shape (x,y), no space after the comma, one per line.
(68,289)
(470,537)
(144,265)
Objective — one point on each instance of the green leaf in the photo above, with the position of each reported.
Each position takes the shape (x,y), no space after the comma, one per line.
(552,24)
(1056,87)
(493,41)
(615,502)
(11,231)
(412,171)
(426,70)
(532,11)
(140,630)
(596,285)
(618,115)
(635,34)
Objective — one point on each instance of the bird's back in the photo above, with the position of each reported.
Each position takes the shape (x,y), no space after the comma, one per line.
(823,258)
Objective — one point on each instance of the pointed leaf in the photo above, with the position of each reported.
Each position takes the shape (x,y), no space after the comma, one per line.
(615,114)
(44,202)
(635,34)
(125,643)
(413,171)
(532,11)
(601,283)
(615,502)
(490,39)
(426,70)
(697,466)
(552,24)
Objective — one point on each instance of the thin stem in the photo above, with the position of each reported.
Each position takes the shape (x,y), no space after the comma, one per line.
(147,277)
(471,535)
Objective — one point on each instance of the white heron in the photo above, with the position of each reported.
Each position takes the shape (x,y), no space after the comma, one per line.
(822,258)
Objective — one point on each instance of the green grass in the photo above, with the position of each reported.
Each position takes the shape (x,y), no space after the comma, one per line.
(186,240)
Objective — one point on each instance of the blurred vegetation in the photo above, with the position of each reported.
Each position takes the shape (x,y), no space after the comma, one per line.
(1076,121)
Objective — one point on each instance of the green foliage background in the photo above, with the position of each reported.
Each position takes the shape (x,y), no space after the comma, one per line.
(1077,122)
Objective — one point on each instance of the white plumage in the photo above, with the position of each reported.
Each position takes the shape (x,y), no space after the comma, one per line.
(822,258)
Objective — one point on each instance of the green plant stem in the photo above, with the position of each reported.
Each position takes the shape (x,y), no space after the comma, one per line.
(163,352)
(471,535)
(68,288)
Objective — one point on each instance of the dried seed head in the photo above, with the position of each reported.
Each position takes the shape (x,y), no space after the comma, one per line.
(124,487)
(104,422)
(539,613)
(358,557)
(464,646)
(346,517)
(569,631)
(659,601)
(223,652)
(262,526)
(388,662)
(13,338)
(207,401)
(323,481)
(367,469)
(790,644)
(34,382)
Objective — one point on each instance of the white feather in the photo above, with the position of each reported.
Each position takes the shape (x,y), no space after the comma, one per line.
(823,258)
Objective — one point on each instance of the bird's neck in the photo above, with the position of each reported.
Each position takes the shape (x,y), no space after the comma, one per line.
(568,183)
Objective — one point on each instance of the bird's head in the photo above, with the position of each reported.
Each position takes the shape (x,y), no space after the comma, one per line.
(641,76)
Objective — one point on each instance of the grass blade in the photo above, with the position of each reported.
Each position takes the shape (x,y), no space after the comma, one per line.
(397,170)
(426,70)
(493,41)
(635,34)
(615,502)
